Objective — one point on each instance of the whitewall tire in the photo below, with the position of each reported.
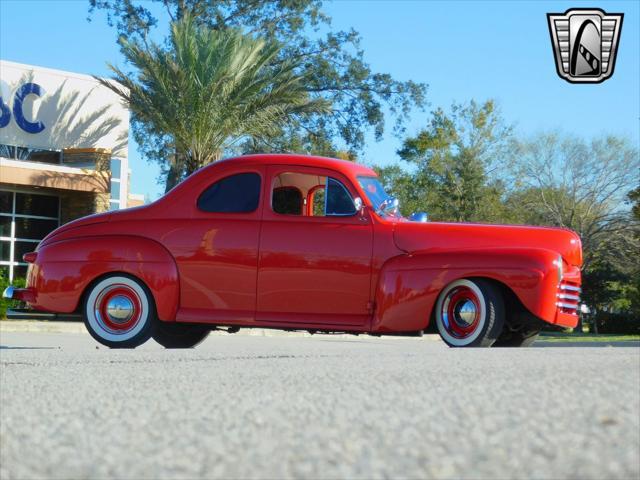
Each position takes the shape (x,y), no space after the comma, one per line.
(470,313)
(119,312)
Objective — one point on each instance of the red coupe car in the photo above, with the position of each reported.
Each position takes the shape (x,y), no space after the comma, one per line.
(300,243)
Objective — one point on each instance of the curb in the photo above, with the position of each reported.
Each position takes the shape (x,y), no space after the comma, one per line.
(41,326)
(46,326)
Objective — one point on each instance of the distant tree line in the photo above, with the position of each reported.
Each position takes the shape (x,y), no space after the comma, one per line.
(243,76)
(467,165)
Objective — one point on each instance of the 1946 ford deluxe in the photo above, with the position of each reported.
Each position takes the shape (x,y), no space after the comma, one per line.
(300,243)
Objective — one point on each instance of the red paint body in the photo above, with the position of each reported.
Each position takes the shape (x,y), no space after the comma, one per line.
(360,273)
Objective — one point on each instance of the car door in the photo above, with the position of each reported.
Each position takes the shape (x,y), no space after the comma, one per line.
(217,251)
(314,264)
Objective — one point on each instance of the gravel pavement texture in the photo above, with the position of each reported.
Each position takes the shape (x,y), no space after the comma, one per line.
(315,407)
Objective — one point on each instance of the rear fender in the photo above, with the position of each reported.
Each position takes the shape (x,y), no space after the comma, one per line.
(408,286)
(63,270)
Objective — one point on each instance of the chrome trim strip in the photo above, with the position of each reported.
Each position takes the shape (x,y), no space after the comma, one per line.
(570,306)
(566,296)
(17,314)
(22,313)
(570,287)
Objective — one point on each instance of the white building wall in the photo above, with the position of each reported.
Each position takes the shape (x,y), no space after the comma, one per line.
(75,110)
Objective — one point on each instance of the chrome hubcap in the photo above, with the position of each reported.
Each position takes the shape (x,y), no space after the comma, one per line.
(120,309)
(465,313)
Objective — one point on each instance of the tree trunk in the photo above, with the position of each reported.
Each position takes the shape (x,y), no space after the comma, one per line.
(578,327)
(172,177)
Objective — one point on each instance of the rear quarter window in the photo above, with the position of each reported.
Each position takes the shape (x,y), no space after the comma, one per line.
(238,193)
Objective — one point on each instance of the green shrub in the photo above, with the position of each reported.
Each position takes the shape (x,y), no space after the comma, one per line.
(4,302)
(618,323)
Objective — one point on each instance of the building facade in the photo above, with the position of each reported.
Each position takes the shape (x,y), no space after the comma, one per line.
(63,155)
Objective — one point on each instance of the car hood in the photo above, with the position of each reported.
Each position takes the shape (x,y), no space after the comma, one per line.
(414,237)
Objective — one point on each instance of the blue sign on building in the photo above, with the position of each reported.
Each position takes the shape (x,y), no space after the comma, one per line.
(5,112)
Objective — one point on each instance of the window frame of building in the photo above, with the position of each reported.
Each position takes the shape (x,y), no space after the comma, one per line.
(12,239)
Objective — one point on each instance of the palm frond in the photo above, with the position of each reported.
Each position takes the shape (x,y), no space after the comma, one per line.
(209,88)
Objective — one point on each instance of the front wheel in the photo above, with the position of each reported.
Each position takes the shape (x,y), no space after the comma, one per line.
(470,313)
(179,335)
(119,312)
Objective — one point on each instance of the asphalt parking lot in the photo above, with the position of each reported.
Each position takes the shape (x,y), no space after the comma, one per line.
(319,407)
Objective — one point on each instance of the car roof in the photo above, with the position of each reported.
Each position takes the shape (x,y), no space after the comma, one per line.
(343,166)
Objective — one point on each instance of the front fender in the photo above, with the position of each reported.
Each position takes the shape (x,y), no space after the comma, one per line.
(64,269)
(408,286)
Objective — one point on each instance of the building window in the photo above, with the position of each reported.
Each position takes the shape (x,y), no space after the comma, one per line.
(7,151)
(116,163)
(25,219)
(114,190)
(30,154)
(38,155)
(44,206)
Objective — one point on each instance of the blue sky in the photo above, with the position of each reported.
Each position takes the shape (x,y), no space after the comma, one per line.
(464,50)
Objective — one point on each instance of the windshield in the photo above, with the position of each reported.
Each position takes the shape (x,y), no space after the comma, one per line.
(374,190)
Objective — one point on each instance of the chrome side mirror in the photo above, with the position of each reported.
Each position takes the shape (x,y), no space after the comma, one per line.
(357,202)
(419,217)
(388,206)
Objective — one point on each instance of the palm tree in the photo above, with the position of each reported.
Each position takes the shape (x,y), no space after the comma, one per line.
(207,90)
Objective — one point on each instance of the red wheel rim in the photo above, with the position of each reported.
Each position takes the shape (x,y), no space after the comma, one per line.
(461,312)
(118,308)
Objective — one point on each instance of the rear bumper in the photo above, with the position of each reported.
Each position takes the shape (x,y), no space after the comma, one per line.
(27,295)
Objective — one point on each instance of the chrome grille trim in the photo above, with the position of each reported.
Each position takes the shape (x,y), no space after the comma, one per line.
(567,296)
(570,288)
(569,306)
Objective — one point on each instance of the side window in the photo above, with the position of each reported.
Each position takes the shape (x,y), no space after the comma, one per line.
(310,195)
(234,194)
(338,201)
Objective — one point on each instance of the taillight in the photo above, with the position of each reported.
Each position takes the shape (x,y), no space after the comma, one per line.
(30,257)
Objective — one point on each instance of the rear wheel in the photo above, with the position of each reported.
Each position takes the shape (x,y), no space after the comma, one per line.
(179,335)
(470,313)
(119,312)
